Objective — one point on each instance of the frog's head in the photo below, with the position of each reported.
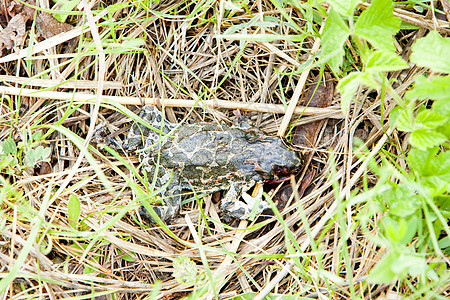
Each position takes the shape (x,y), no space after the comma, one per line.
(281,165)
(289,164)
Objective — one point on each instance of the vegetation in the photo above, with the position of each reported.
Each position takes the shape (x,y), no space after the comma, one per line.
(373,221)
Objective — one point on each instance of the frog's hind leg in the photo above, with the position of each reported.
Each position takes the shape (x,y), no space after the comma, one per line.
(231,206)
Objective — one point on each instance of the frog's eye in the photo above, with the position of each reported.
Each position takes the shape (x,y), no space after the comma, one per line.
(281,171)
(257,178)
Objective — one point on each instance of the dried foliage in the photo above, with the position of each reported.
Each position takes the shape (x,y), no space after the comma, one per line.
(16,15)
(173,50)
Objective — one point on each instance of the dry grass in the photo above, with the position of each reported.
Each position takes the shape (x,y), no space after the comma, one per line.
(181,63)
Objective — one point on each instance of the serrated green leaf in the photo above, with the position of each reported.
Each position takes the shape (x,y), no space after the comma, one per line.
(404,204)
(445,129)
(384,61)
(426,138)
(442,106)
(400,230)
(74,210)
(421,161)
(442,164)
(405,120)
(9,146)
(394,115)
(429,119)
(402,200)
(377,25)
(436,88)
(432,51)
(347,87)
(433,169)
(334,35)
(344,7)
(372,78)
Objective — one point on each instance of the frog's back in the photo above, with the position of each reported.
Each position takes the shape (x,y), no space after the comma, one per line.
(203,144)
(207,152)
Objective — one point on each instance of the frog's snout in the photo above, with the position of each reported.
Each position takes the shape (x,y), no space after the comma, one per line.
(284,171)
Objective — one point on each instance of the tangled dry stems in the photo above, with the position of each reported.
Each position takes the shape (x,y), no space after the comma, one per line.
(188,65)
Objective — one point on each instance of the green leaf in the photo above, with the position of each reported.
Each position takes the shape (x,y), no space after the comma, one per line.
(402,200)
(441,170)
(400,231)
(334,35)
(33,156)
(185,270)
(9,146)
(432,51)
(382,272)
(74,210)
(436,88)
(125,256)
(422,161)
(409,264)
(377,25)
(429,119)
(37,136)
(344,7)
(6,161)
(347,87)
(442,106)
(433,169)
(397,264)
(444,243)
(426,138)
(67,6)
(117,6)
(394,115)
(383,61)
(405,120)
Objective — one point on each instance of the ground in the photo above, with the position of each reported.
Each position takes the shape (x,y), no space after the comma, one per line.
(68,205)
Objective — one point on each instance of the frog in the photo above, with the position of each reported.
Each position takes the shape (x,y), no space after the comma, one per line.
(208,157)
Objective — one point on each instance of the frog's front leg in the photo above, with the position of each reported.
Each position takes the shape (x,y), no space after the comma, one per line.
(171,197)
(140,135)
(167,211)
(231,206)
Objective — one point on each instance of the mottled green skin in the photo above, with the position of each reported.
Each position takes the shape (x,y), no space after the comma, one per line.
(210,157)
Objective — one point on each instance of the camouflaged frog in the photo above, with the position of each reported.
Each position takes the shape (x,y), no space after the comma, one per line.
(209,157)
